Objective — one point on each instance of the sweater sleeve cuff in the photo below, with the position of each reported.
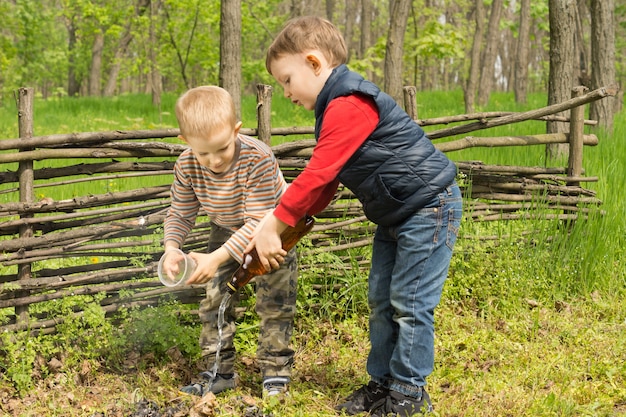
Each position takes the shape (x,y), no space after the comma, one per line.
(285,216)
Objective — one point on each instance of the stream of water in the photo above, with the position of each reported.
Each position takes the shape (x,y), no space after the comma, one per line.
(220,325)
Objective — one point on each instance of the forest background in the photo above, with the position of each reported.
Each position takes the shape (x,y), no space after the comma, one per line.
(527,326)
(106,48)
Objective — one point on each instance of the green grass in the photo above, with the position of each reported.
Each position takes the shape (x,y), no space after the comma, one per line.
(529,325)
(130,112)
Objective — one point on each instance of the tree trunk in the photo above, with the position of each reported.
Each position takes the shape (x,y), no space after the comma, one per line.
(366,32)
(350,13)
(603,59)
(155,74)
(330,10)
(73,86)
(562,15)
(523,50)
(472,79)
(95,72)
(109,88)
(395,46)
(489,57)
(230,50)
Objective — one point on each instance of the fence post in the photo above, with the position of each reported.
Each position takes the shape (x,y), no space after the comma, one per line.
(576,132)
(264,112)
(25,172)
(410,104)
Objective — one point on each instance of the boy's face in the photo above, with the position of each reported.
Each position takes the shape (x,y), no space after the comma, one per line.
(216,150)
(302,76)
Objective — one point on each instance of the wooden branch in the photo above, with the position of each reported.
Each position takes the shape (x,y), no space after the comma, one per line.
(85,138)
(90,169)
(86,201)
(288,131)
(488,115)
(81,234)
(537,198)
(291,148)
(56,290)
(529,216)
(321,227)
(296,163)
(98,178)
(82,251)
(264,113)
(518,170)
(565,179)
(525,185)
(491,211)
(103,167)
(492,142)
(532,114)
(336,248)
(83,153)
(136,210)
(141,218)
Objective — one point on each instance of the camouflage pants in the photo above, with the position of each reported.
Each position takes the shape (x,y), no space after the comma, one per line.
(275,306)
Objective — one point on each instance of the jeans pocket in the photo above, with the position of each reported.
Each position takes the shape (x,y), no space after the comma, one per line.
(454,224)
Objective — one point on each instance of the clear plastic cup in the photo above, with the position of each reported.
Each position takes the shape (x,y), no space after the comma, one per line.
(179,265)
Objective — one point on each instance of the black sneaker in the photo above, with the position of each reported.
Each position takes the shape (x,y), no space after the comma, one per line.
(221,382)
(398,404)
(363,399)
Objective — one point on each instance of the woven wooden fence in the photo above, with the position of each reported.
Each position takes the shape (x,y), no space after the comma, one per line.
(108,242)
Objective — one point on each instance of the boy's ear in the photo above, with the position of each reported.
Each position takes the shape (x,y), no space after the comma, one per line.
(237,127)
(314,61)
(183,139)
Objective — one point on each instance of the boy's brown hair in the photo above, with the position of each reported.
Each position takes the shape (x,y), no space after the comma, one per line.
(203,109)
(305,34)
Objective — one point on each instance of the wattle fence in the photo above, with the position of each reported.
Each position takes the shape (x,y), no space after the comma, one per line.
(107,243)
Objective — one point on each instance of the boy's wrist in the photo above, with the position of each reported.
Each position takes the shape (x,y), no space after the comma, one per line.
(170,247)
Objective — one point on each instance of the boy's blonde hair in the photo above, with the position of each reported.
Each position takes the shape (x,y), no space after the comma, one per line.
(305,34)
(203,109)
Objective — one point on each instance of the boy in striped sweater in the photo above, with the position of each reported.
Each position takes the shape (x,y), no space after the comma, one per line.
(235,180)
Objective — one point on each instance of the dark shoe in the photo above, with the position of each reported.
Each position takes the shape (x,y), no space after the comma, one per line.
(363,399)
(275,386)
(222,382)
(398,404)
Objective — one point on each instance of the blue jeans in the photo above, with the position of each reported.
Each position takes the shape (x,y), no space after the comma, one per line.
(410,264)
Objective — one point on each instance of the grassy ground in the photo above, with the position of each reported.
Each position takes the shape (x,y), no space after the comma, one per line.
(565,359)
(526,327)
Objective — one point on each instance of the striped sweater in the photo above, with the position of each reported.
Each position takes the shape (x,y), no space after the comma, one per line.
(235,200)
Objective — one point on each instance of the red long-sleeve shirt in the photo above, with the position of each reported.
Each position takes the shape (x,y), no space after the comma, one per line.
(348,122)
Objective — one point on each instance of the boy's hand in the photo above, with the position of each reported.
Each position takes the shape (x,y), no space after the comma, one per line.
(266,240)
(171,264)
(206,266)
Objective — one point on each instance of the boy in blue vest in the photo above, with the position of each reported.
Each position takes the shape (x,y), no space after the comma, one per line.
(406,186)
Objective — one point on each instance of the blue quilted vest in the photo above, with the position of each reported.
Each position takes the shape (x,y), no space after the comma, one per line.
(397,170)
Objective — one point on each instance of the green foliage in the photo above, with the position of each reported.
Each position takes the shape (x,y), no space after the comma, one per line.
(437,41)
(155,330)
(19,351)
(329,289)
(372,60)
(79,337)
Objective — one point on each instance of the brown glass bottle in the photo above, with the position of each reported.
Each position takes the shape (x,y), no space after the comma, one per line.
(252,266)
